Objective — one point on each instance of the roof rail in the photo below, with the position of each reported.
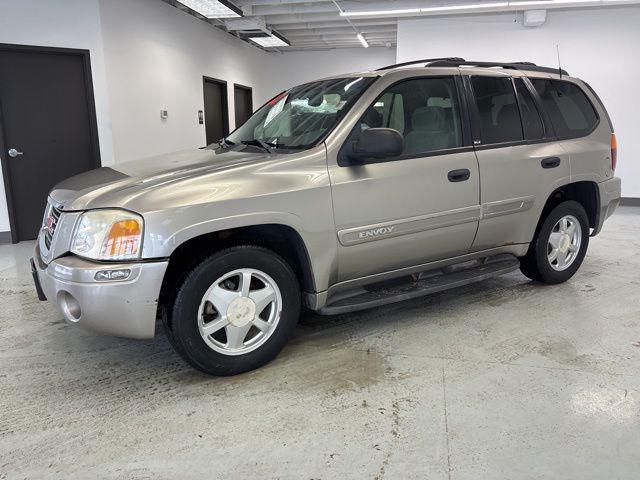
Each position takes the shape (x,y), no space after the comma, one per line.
(526,66)
(425,61)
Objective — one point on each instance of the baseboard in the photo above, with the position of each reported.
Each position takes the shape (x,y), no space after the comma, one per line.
(630,202)
(5,237)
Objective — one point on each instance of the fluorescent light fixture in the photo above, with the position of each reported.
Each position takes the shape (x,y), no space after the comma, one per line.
(273,40)
(531,3)
(370,13)
(475,6)
(470,7)
(213,8)
(363,41)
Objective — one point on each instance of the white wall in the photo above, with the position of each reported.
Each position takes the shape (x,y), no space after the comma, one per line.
(295,68)
(155,58)
(63,23)
(598,45)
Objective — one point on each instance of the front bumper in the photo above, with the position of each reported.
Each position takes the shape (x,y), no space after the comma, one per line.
(124,308)
(610,192)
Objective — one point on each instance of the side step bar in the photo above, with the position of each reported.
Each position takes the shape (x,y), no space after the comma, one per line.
(450,277)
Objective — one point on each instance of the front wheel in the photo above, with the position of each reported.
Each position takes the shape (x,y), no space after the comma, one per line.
(559,247)
(234,311)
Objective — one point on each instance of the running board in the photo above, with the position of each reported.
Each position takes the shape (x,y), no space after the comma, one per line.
(449,277)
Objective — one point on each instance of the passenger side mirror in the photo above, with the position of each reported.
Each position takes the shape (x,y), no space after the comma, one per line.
(375,143)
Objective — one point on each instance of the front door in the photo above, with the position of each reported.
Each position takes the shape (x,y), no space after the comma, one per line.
(419,207)
(47,128)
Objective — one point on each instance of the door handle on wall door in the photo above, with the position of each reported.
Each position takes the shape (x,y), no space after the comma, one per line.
(459,175)
(550,162)
(13,153)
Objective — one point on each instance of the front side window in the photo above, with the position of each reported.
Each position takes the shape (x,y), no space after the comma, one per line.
(425,112)
(301,116)
(570,111)
(498,109)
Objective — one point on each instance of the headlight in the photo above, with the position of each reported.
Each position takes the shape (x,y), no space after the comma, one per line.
(108,235)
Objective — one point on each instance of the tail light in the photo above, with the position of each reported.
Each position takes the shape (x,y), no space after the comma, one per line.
(614,151)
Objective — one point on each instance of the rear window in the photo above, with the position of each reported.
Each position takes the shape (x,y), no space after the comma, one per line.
(570,111)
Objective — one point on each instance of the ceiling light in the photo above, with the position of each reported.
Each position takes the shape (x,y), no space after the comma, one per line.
(213,8)
(549,2)
(476,6)
(472,7)
(273,40)
(403,11)
(363,41)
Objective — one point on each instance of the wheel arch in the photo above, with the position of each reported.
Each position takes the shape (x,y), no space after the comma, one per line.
(282,239)
(586,193)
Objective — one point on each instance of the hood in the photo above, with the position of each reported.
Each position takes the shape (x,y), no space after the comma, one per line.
(86,190)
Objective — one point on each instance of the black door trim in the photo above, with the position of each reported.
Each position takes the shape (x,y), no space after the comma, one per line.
(225,102)
(93,122)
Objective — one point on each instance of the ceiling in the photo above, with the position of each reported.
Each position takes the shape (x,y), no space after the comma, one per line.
(322,24)
(310,25)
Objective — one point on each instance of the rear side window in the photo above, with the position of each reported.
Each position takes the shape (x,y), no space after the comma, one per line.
(569,109)
(531,121)
(498,108)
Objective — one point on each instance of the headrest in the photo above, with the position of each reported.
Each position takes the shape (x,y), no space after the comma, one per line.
(428,118)
(507,113)
(373,118)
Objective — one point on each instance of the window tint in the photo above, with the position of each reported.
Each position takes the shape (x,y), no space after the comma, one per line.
(499,115)
(424,110)
(569,109)
(531,121)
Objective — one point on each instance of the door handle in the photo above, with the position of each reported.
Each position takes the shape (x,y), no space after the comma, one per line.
(459,175)
(13,153)
(550,162)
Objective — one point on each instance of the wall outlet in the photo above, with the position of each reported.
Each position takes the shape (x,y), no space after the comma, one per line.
(164,114)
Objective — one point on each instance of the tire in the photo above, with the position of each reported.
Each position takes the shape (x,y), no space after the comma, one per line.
(196,326)
(539,263)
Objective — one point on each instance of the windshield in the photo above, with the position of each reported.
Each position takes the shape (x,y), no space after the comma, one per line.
(300,117)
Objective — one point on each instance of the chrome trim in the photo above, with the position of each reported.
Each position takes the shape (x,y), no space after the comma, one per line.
(406,226)
(507,207)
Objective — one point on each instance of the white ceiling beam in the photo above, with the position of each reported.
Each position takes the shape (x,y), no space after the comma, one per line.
(301,32)
(338,23)
(289,9)
(303,18)
(242,3)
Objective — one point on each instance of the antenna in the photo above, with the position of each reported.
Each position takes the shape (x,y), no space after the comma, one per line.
(559,65)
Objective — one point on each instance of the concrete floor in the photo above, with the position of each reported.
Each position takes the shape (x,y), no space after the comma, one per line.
(503,379)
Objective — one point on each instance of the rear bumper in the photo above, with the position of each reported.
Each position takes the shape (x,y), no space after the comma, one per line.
(124,308)
(610,193)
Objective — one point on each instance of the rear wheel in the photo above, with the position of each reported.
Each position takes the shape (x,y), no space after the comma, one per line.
(234,311)
(559,247)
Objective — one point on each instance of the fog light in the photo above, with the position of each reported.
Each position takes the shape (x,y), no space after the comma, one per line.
(118,274)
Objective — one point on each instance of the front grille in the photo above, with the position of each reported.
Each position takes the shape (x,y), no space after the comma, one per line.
(50,223)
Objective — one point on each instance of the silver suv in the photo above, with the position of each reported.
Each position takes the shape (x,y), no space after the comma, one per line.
(336,195)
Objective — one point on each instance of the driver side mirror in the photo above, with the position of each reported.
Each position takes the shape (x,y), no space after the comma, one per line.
(375,143)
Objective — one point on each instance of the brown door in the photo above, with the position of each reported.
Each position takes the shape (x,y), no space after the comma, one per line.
(243,103)
(47,127)
(216,113)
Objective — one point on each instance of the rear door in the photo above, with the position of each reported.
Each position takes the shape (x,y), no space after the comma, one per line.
(521,162)
(412,209)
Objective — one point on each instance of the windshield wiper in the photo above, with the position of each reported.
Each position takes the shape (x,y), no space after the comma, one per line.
(224,143)
(256,142)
